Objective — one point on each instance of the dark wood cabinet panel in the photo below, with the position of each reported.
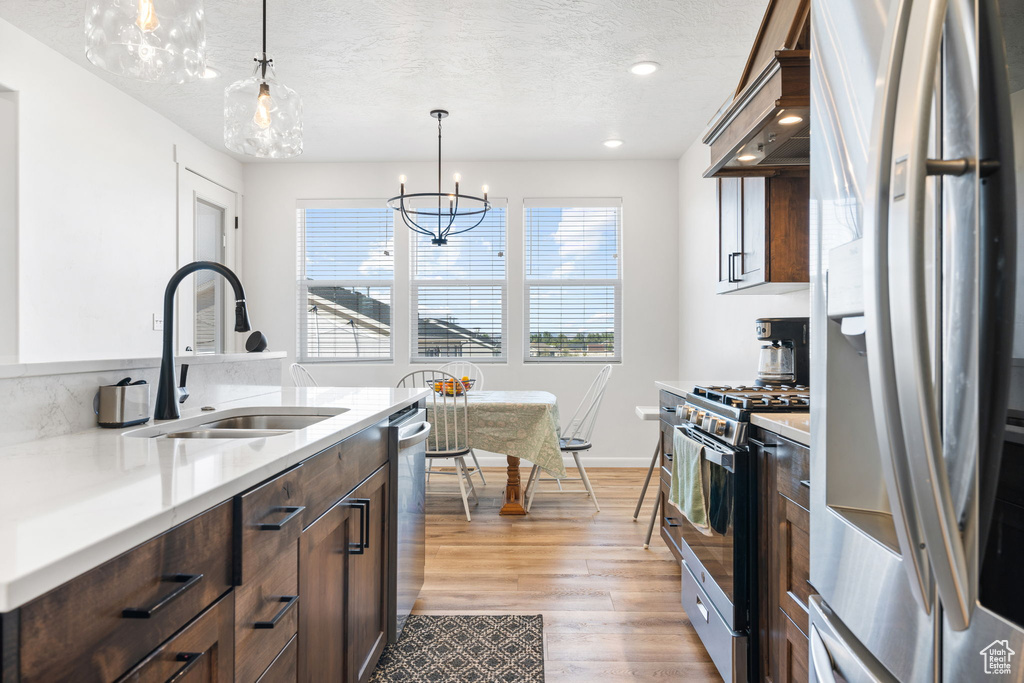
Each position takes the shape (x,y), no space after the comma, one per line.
(81,631)
(794,652)
(284,669)
(763,230)
(368,594)
(671,519)
(266,614)
(202,652)
(793,557)
(324,564)
(327,476)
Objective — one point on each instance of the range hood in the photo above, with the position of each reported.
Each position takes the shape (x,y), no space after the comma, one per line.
(765,128)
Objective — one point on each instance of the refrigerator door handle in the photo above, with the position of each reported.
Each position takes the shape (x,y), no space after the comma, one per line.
(878,323)
(918,403)
(821,663)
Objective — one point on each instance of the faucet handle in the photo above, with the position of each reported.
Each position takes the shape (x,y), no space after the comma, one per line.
(182,389)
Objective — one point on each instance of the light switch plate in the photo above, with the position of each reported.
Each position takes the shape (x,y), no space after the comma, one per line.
(158,322)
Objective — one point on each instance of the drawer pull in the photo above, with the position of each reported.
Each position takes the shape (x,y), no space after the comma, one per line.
(670,521)
(289,602)
(293,512)
(805,482)
(190,659)
(668,456)
(186,580)
(702,608)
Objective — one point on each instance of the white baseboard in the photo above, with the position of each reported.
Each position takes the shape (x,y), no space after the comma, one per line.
(492,460)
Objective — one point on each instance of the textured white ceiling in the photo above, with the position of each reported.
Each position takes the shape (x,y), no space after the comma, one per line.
(524,79)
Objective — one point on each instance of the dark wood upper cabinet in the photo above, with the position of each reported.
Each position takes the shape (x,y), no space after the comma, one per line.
(763,234)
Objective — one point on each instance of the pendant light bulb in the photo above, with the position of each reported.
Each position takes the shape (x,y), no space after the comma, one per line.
(263,106)
(147,19)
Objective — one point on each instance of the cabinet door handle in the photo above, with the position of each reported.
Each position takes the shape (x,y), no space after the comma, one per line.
(289,602)
(732,266)
(363,505)
(668,456)
(190,659)
(293,512)
(186,580)
(670,521)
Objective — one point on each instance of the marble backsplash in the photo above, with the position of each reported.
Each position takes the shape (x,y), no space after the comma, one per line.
(36,406)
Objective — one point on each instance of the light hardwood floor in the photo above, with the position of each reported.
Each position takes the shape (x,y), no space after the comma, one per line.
(611,609)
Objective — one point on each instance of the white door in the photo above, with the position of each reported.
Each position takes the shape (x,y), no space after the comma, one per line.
(206,232)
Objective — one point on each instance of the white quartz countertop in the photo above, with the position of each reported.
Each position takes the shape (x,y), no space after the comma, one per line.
(70,503)
(793,426)
(681,387)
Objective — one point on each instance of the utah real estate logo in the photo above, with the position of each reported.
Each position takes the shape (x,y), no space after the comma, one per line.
(997,657)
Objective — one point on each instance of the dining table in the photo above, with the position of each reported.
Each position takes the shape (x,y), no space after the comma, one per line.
(522,425)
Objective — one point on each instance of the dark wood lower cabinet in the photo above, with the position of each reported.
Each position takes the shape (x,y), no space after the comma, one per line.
(325,552)
(252,590)
(784,558)
(202,652)
(367,586)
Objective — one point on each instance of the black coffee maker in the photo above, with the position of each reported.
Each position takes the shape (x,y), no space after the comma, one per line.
(785,358)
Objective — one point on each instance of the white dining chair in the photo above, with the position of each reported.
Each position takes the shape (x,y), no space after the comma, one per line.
(449,435)
(463,368)
(574,439)
(301,377)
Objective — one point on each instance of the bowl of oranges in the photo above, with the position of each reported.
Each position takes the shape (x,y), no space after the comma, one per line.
(453,387)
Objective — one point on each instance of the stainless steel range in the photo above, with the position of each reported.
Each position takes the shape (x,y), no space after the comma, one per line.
(719,587)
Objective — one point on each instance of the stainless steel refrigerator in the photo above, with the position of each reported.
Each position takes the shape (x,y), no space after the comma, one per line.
(917,351)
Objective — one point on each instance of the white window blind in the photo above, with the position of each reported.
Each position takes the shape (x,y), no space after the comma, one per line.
(573,280)
(346,271)
(458,293)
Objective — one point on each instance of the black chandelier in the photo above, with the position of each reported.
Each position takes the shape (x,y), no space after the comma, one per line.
(459,205)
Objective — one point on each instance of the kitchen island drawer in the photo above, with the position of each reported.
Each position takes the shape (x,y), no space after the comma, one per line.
(202,651)
(671,521)
(96,626)
(266,614)
(269,521)
(668,402)
(284,669)
(793,464)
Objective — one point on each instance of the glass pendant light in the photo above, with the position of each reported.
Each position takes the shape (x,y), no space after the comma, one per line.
(263,118)
(163,41)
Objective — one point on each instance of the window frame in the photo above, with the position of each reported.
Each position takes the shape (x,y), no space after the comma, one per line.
(615,283)
(302,285)
(414,289)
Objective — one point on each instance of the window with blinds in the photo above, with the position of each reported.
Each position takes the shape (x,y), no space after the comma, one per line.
(573,280)
(346,270)
(458,293)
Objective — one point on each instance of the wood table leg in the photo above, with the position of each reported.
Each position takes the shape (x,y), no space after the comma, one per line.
(513,490)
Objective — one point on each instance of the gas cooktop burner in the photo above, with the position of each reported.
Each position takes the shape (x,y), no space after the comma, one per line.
(771,398)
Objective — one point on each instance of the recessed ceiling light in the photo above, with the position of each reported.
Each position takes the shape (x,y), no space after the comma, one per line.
(613,143)
(211,72)
(746,157)
(644,68)
(787,120)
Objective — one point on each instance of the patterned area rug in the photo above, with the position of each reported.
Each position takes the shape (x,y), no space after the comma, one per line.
(506,648)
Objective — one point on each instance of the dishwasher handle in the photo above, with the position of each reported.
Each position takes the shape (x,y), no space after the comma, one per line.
(413,434)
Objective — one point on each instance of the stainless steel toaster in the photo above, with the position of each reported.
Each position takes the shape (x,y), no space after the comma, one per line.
(123,405)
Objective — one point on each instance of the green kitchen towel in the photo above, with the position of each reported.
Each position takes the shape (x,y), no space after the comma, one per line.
(691,477)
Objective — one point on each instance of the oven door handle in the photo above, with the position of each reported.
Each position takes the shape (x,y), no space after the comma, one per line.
(723,460)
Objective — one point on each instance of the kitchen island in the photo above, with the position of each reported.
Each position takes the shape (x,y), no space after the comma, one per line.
(117,546)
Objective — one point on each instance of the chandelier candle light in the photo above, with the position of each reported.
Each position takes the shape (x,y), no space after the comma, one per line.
(162,41)
(262,117)
(421,219)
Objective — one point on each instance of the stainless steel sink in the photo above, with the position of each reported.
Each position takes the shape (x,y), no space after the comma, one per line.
(264,422)
(226,433)
(239,423)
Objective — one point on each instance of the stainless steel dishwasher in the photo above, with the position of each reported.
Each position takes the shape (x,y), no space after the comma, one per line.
(408,433)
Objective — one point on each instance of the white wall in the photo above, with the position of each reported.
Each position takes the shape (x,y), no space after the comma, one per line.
(716,332)
(8,226)
(97,206)
(648,191)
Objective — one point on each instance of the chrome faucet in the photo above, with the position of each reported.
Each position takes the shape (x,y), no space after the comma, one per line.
(167,395)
